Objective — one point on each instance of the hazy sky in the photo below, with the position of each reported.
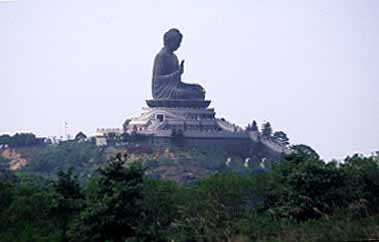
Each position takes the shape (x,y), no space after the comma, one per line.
(311,68)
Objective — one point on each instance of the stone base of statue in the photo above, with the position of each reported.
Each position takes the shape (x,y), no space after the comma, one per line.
(192,118)
(194,124)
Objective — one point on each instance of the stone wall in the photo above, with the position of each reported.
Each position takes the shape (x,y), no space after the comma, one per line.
(233,146)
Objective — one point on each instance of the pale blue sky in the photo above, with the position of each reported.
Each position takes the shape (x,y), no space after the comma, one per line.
(311,68)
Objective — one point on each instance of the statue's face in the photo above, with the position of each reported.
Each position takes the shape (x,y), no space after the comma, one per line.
(174,44)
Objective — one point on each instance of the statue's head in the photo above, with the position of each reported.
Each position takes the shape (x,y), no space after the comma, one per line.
(172,39)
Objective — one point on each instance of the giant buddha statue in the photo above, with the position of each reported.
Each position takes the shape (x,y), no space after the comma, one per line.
(167,82)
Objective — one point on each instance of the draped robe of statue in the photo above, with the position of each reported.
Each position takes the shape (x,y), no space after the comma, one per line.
(167,83)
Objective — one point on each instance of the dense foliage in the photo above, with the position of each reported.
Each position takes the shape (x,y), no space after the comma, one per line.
(301,199)
(21,140)
(65,155)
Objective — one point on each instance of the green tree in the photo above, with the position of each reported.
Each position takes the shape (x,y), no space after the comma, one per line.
(305,150)
(114,208)
(5,139)
(21,140)
(126,124)
(266,130)
(28,216)
(68,199)
(281,138)
(162,202)
(4,163)
(362,183)
(254,126)
(7,193)
(303,188)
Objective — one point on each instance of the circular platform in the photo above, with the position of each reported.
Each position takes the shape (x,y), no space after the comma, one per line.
(177,103)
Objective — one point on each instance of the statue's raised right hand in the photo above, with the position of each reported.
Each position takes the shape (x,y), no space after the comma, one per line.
(181,67)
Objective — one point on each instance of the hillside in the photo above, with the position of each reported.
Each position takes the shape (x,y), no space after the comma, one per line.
(182,164)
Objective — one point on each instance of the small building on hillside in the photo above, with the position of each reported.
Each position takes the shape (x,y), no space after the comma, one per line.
(81,137)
